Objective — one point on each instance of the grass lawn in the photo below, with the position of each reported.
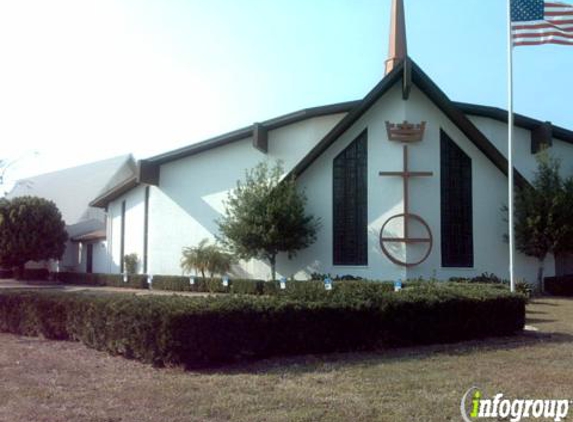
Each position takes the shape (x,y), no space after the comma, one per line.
(62,381)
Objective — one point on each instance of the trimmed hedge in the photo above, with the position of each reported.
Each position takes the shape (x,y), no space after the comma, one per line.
(6,273)
(134,281)
(559,286)
(298,290)
(32,274)
(213,330)
(183,284)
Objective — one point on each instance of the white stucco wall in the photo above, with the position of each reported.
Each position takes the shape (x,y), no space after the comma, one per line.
(70,259)
(385,197)
(489,191)
(384,200)
(184,208)
(134,224)
(526,162)
(190,198)
(99,258)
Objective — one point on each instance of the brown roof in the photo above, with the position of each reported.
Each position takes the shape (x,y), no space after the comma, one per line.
(95,235)
(520,120)
(154,162)
(115,192)
(408,72)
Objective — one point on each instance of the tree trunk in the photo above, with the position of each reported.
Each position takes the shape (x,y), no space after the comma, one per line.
(540,282)
(273,262)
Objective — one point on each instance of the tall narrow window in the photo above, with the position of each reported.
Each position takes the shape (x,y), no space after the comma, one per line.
(350,204)
(145,229)
(457,206)
(122,240)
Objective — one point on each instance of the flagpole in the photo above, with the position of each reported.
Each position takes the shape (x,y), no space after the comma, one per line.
(510,144)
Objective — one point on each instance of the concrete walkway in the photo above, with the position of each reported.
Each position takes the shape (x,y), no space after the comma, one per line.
(51,285)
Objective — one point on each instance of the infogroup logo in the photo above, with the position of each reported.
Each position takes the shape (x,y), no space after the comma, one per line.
(475,406)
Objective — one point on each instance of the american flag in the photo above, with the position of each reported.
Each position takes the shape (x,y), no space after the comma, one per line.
(535,22)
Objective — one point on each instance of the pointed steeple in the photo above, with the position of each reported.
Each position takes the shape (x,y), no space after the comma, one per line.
(398,49)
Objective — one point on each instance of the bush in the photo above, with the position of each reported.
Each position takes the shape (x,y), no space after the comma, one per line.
(483,278)
(298,290)
(174,283)
(34,274)
(199,331)
(134,281)
(521,286)
(559,286)
(322,276)
(6,273)
(130,262)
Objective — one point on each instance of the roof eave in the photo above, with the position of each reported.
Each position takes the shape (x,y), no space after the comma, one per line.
(246,132)
(383,86)
(410,73)
(103,200)
(520,120)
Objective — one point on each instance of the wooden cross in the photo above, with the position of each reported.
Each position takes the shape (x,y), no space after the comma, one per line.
(406,174)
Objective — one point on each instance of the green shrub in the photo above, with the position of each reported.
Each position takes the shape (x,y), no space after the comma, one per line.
(35,274)
(213,330)
(174,283)
(6,273)
(134,281)
(130,262)
(78,278)
(38,274)
(321,277)
(559,286)
(248,287)
(483,278)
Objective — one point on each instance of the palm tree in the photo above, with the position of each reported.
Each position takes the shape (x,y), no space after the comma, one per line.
(196,258)
(206,258)
(218,262)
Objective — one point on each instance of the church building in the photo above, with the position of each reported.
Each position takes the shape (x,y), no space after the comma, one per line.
(406,182)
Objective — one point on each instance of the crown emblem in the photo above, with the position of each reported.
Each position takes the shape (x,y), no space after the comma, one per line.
(405,132)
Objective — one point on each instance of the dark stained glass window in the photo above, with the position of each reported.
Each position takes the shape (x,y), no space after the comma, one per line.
(457,207)
(350,204)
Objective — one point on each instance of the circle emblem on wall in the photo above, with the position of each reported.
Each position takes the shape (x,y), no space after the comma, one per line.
(425,240)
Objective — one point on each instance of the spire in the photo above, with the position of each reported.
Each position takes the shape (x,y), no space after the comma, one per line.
(398,49)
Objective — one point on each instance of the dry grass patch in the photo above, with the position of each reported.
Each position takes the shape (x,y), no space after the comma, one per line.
(62,381)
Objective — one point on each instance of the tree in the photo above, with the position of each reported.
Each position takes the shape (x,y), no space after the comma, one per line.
(219,261)
(265,216)
(31,229)
(566,245)
(195,258)
(543,218)
(206,258)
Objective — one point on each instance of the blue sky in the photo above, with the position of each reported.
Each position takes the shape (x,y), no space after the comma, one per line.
(85,80)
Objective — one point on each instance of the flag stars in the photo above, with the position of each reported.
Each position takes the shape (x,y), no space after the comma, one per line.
(527,10)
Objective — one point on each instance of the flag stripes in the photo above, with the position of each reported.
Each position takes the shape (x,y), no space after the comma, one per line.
(555,26)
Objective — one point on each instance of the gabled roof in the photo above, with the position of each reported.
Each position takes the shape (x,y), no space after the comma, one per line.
(153,163)
(246,132)
(72,189)
(520,120)
(115,192)
(408,72)
(91,236)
